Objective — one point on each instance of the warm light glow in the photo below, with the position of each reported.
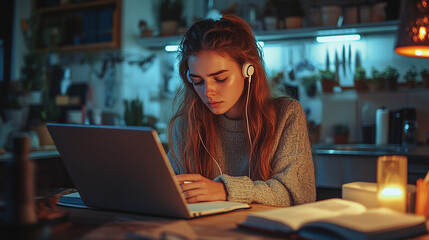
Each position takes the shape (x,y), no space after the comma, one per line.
(413,51)
(391,191)
(338,38)
(422,33)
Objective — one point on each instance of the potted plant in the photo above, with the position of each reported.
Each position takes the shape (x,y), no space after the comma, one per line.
(425,77)
(309,83)
(133,114)
(360,79)
(410,77)
(328,80)
(33,72)
(340,133)
(170,13)
(391,75)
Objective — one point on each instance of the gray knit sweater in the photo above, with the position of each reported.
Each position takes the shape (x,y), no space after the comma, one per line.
(293,181)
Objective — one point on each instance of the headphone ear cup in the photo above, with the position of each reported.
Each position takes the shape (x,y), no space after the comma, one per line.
(188,77)
(247,70)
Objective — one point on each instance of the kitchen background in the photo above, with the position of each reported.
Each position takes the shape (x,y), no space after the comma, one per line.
(136,65)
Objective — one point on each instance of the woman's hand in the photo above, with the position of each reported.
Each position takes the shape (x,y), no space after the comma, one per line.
(200,189)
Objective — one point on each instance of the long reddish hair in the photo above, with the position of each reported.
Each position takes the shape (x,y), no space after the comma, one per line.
(233,37)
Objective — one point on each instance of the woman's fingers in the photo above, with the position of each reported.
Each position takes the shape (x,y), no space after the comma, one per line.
(195,192)
(197,188)
(193,185)
(189,177)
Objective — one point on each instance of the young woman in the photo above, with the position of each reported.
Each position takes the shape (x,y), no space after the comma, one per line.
(230,140)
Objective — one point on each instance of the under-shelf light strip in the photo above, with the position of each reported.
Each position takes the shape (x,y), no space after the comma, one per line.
(338,38)
(174,48)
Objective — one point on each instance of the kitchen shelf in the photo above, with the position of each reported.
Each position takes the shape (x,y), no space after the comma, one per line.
(75,6)
(89,26)
(156,43)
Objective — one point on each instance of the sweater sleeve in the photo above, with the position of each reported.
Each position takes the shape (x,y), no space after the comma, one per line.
(293,180)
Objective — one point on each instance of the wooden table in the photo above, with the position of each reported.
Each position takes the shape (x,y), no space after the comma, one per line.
(95,224)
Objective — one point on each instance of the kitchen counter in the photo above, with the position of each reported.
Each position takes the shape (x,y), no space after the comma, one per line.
(420,151)
(337,164)
(42,153)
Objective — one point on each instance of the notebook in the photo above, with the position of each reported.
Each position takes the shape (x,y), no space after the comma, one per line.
(126,169)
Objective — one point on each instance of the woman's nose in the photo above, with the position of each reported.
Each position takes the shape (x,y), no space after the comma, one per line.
(210,89)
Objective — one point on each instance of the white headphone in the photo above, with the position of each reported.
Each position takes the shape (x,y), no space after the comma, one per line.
(247,71)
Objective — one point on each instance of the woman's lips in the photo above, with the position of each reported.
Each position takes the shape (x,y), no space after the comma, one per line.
(214,104)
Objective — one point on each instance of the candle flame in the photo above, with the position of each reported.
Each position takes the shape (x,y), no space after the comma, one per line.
(391,191)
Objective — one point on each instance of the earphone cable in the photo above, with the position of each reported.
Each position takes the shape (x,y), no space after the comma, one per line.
(201,139)
(247,122)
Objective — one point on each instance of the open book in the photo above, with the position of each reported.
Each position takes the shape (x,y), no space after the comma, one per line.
(338,219)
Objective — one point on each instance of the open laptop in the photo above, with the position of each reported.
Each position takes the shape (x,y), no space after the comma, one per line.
(126,169)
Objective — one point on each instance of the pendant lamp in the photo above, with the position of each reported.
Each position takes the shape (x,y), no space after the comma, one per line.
(413,32)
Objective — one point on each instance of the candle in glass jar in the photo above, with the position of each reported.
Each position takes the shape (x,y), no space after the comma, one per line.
(392,182)
(393,198)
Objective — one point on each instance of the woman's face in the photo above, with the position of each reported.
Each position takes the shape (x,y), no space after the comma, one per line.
(218,81)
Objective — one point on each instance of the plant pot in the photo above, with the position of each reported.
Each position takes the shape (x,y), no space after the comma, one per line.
(293,22)
(351,14)
(425,81)
(341,138)
(391,84)
(360,86)
(411,84)
(330,15)
(169,27)
(372,86)
(328,85)
(378,12)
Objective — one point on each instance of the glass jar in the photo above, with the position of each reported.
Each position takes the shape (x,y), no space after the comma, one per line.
(392,182)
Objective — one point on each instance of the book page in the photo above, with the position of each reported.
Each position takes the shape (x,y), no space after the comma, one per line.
(377,220)
(295,217)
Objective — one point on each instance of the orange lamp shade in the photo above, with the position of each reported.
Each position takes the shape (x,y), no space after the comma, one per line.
(413,32)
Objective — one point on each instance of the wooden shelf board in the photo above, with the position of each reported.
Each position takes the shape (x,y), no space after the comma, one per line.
(75,6)
(289,34)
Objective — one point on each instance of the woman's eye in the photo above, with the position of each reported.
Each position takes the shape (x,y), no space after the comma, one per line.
(197,82)
(221,80)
